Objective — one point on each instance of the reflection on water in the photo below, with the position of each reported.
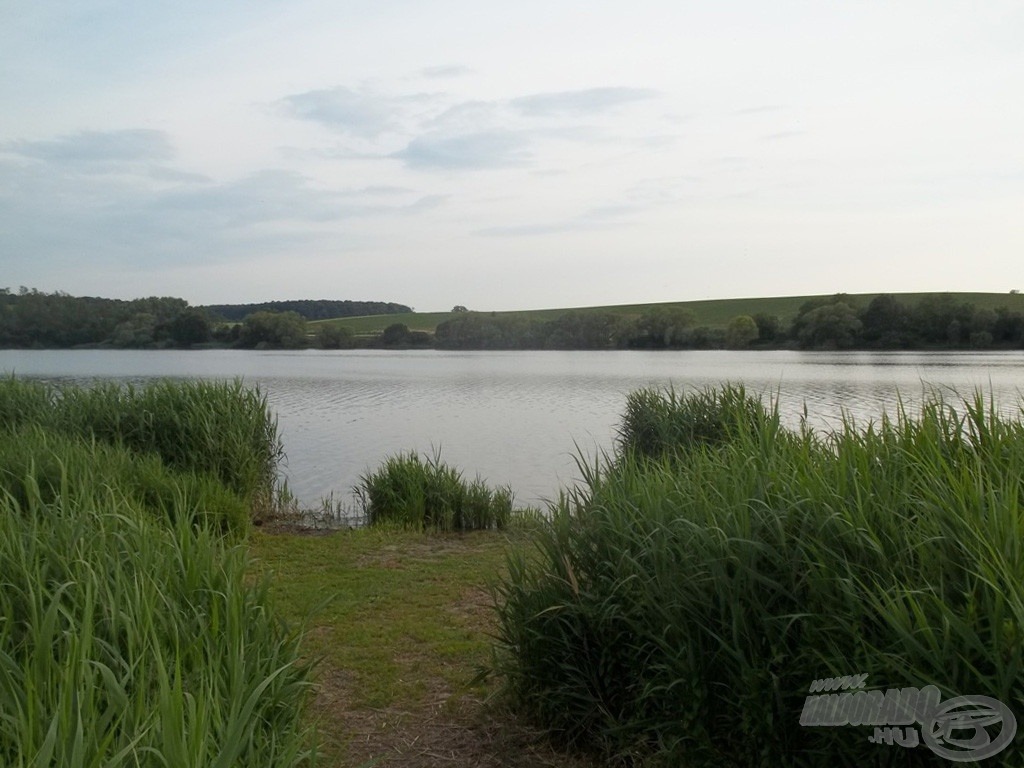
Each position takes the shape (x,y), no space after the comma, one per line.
(517,417)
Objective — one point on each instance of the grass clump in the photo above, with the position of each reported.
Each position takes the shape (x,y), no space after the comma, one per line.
(677,606)
(409,492)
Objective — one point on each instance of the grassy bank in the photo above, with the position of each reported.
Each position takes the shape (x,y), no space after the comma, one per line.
(677,606)
(131,630)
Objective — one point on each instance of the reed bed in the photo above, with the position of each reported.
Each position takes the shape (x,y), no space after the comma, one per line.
(127,641)
(130,632)
(409,492)
(677,605)
(218,428)
(37,465)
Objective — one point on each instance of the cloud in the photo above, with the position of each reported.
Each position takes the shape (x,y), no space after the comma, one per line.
(600,217)
(443,71)
(760,109)
(97,151)
(485,149)
(361,113)
(126,221)
(588,101)
(780,135)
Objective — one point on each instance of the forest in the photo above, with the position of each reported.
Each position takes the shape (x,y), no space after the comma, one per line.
(30,318)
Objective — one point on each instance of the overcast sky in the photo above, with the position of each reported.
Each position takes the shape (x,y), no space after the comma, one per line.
(510,155)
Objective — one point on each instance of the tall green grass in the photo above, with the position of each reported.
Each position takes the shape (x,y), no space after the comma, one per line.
(217,428)
(678,605)
(130,633)
(410,492)
(128,641)
(37,465)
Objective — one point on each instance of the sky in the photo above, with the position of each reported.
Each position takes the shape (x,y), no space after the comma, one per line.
(512,155)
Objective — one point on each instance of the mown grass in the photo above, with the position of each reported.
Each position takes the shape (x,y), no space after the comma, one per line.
(400,622)
(713,313)
(132,632)
(677,606)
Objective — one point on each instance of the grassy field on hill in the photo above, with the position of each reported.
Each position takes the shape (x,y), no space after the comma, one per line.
(714,313)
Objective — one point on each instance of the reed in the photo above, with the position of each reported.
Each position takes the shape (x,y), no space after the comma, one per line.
(678,604)
(37,465)
(409,492)
(128,641)
(215,428)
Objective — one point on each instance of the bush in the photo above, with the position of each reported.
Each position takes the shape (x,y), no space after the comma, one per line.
(430,495)
(678,605)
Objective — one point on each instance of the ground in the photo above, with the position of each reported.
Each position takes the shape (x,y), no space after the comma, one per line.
(401,624)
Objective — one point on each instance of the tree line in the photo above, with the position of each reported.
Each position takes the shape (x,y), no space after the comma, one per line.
(834,322)
(309,309)
(30,318)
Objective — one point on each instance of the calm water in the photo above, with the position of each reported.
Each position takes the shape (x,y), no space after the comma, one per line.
(516,418)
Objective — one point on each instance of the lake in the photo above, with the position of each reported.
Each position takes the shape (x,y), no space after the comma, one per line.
(516,418)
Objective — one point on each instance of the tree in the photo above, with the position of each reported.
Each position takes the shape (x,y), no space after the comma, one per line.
(274,329)
(887,322)
(833,326)
(664,327)
(741,331)
(459,308)
(768,327)
(190,327)
(395,334)
(334,336)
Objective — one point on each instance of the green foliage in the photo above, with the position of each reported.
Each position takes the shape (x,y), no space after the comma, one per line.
(679,603)
(40,466)
(309,309)
(130,631)
(664,423)
(192,326)
(31,318)
(832,326)
(125,641)
(395,334)
(769,327)
(220,429)
(430,495)
(329,336)
(741,332)
(286,330)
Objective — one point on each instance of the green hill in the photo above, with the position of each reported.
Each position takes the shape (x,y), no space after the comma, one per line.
(714,313)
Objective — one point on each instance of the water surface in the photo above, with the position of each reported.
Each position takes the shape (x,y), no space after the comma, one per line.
(516,418)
